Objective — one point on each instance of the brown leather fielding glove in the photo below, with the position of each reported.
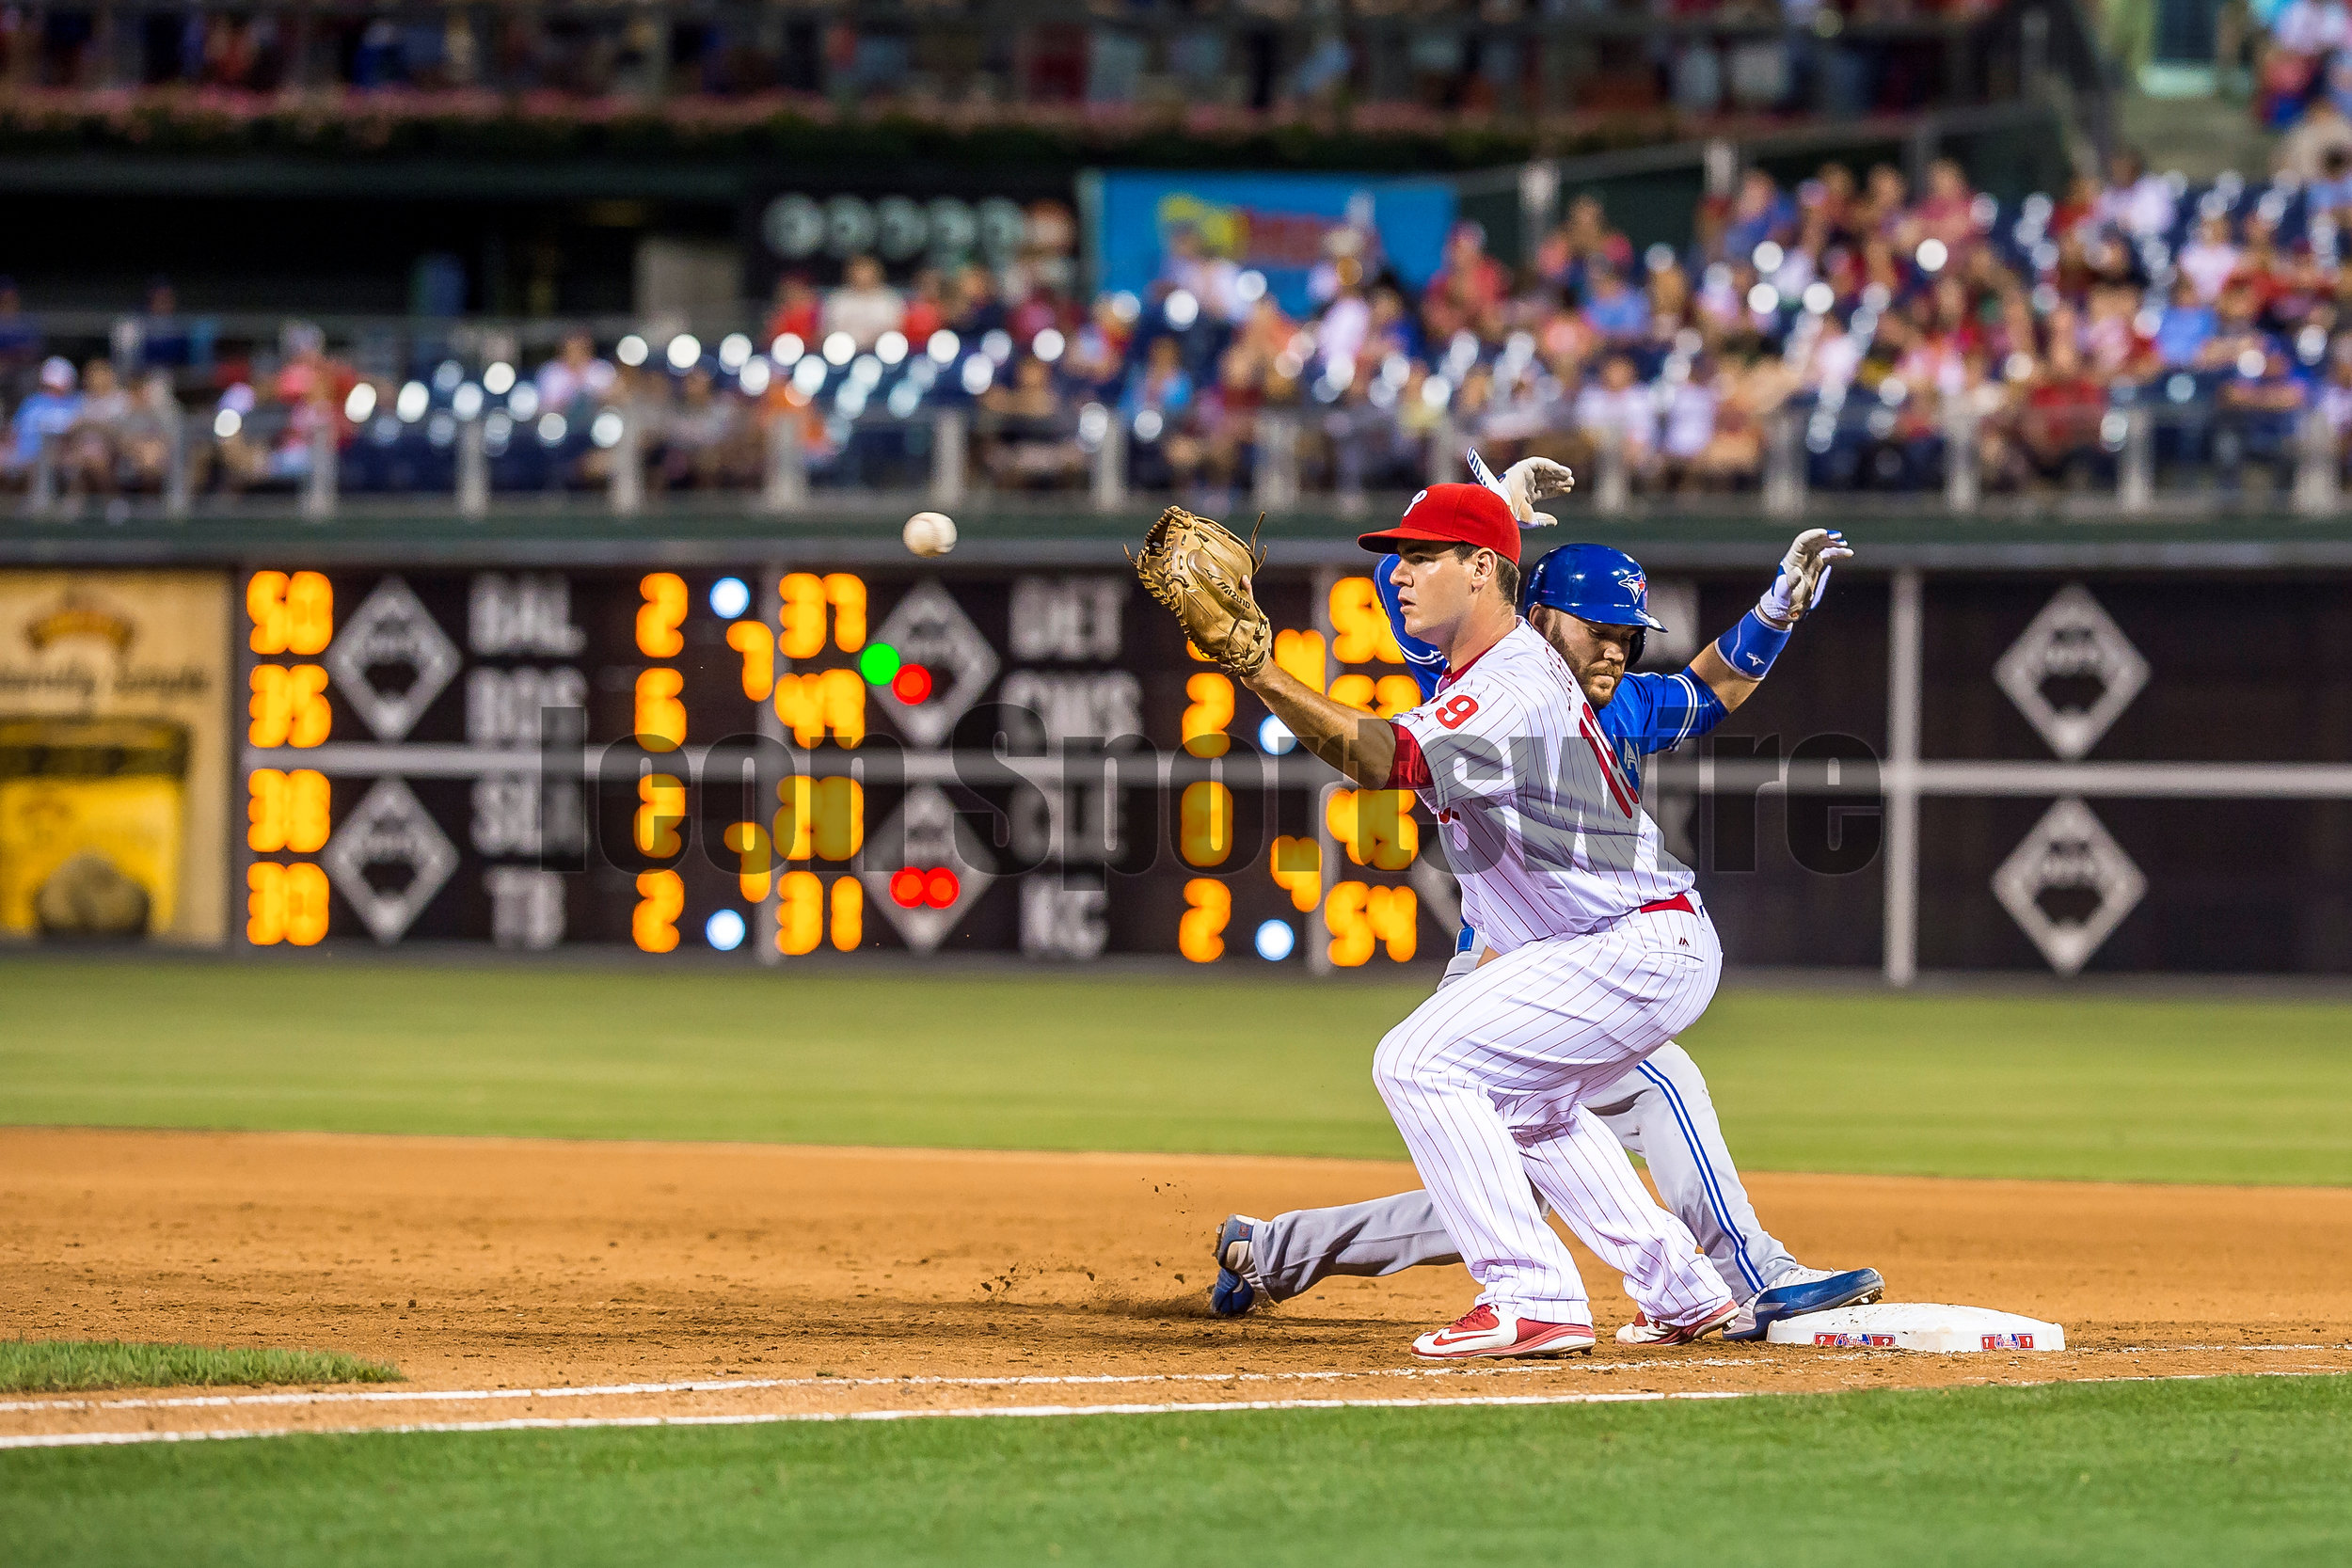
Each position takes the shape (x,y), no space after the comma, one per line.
(1200,570)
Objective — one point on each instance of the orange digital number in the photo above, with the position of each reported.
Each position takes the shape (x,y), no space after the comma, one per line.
(660,717)
(1205,826)
(801,632)
(662,809)
(1211,710)
(821,817)
(1297,867)
(1395,694)
(847,594)
(1301,654)
(659,617)
(758,645)
(826,700)
(848,914)
(1388,696)
(1375,826)
(1209,904)
(291,614)
(749,843)
(284,903)
(800,913)
(286,811)
(1361,917)
(1360,627)
(289,706)
(661,899)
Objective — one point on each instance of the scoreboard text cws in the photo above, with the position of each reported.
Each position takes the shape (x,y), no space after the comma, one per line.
(781,760)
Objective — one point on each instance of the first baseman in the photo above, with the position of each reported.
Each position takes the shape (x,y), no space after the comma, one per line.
(1591,603)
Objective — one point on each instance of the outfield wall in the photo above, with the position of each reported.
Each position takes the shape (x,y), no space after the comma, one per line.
(2109,747)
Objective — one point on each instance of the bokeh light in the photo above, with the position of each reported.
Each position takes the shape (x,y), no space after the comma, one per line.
(912,684)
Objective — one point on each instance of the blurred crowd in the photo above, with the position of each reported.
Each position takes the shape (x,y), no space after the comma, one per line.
(1878,330)
(1885,324)
(1473,56)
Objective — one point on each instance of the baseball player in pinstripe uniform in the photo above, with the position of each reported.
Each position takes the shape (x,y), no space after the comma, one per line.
(1591,603)
(1598,952)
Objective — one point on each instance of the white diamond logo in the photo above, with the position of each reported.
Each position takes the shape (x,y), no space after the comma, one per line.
(2072,638)
(390,832)
(925,833)
(392,628)
(2069,850)
(929,628)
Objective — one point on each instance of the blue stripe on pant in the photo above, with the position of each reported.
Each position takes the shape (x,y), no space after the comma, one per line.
(1706,1174)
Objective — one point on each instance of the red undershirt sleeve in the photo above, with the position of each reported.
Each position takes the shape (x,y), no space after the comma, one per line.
(1410,770)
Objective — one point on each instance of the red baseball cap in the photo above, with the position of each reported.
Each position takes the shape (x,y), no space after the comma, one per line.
(1454,515)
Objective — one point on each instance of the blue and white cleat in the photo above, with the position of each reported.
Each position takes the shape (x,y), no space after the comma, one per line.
(1234,1291)
(1804,1291)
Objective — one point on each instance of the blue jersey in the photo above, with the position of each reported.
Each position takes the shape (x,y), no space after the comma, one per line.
(1649,712)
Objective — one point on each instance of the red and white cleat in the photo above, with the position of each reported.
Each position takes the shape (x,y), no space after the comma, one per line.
(1483,1333)
(1641,1331)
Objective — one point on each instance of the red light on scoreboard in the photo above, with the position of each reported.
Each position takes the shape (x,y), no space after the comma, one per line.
(912,887)
(912,684)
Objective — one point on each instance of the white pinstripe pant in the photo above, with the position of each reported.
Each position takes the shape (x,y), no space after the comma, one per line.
(1661,1111)
(1486,1081)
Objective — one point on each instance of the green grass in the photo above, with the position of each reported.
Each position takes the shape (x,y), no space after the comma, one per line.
(2244,1471)
(68,1366)
(2158,1090)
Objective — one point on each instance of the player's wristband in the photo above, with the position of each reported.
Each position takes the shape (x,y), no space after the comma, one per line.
(1751,646)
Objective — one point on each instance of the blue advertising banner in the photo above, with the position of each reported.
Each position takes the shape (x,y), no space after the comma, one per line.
(1152,225)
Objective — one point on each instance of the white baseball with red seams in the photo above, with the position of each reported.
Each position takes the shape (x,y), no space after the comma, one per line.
(1487,1079)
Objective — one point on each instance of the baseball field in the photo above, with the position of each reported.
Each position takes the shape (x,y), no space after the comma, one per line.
(486,1263)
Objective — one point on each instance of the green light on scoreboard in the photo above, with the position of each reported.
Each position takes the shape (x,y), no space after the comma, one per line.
(878,663)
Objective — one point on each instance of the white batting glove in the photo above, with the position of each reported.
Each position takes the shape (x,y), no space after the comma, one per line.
(1532,480)
(1803,575)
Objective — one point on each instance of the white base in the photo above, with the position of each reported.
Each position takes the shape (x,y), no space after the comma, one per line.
(1916,1325)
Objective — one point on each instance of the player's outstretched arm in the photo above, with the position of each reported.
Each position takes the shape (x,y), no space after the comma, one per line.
(1735,664)
(1359,745)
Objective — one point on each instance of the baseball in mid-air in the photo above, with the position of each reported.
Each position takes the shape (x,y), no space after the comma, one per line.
(929,533)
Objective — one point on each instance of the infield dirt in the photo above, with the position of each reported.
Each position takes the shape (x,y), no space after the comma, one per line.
(841,1279)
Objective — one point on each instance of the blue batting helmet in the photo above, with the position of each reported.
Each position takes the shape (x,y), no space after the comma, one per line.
(1594,583)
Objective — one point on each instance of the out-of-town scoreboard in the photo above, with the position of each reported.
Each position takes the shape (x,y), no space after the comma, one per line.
(787,759)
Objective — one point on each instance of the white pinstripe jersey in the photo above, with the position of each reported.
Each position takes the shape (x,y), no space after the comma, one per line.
(1545,831)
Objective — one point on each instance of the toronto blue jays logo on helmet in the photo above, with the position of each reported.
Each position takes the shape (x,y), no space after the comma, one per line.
(1640,585)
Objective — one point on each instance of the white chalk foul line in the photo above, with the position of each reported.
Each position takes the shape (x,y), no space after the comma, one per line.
(460,1396)
(593,1423)
(728,1386)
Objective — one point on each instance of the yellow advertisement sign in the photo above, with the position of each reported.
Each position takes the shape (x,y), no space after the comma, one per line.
(114,761)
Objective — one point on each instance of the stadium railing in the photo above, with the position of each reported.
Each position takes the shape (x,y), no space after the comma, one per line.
(2128,458)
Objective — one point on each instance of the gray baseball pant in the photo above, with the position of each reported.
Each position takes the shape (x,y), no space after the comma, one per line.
(1659,1111)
